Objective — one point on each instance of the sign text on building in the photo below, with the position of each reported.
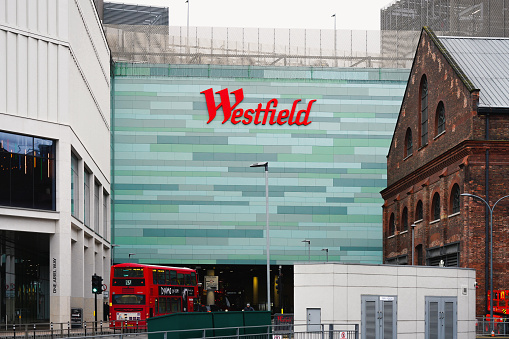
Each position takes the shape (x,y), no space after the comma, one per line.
(259,115)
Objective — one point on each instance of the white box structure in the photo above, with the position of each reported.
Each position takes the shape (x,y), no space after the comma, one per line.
(347,293)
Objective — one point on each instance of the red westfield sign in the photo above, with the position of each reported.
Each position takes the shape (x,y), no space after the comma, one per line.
(260,115)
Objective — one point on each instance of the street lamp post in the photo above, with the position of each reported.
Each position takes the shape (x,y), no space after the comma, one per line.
(187,44)
(335,41)
(266,165)
(413,246)
(309,248)
(491,247)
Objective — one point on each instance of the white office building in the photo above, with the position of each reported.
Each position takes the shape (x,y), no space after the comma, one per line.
(54,159)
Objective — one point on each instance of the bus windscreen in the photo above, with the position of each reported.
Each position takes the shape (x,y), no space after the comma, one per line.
(124,272)
(128,299)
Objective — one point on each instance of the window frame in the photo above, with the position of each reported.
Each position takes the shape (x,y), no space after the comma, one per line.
(409,147)
(404,219)
(435,206)
(419,210)
(392,224)
(440,119)
(423,111)
(455,199)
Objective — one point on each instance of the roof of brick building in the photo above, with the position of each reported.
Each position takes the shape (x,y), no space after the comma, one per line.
(485,64)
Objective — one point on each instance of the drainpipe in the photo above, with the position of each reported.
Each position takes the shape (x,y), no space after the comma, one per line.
(487,220)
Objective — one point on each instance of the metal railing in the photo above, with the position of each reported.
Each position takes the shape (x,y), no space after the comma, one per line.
(89,330)
(63,330)
(483,326)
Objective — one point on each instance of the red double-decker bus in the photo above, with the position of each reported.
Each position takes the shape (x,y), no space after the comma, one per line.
(141,291)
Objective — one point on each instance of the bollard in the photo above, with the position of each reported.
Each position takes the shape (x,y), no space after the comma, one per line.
(101,327)
(14,329)
(51,326)
(85,324)
(68,328)
(34,331)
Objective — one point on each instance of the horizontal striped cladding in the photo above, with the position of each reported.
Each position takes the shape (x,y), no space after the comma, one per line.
(184,191)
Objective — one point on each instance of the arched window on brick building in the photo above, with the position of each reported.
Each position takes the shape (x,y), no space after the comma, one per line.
(424,110)
(419,212)
(409,143)
(404,219)
(392,225)
(455,199)
(435,206)
(440,119)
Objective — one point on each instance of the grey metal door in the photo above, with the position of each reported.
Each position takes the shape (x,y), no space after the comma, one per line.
(441,318)
(314,319)
(379,317)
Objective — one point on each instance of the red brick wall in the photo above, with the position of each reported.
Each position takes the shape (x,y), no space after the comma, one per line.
(457,156)
(443,85)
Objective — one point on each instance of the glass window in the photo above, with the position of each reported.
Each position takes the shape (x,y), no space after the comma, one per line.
(180,279)
(173,277)
(175,305)
(404,218)
(436,206)
(86,198)
(409,149)
(424,111)
(74,186)
(106,199)
(455,198)
(128,299)
(392,228)
(27,165)
(440,116)
(167,279)
(124,272)
(162,305)
(96,206)
(187,279)
(419,211)
(193,279)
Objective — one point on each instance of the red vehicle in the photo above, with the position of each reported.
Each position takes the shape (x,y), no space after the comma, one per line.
(141,291)
(500,309)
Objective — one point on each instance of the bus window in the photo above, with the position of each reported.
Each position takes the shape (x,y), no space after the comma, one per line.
(162,305)
(154,277)
(173,275)
(166,277)
(193,279)
(187,279)
(180,278)
(160,277)
(125,272)
(174,306)
(128,299)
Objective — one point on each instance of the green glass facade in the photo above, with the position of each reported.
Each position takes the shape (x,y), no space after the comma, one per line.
(183,189)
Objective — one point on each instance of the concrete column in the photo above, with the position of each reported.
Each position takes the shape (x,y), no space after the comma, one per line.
(60,243)
(77,274)
(211,298)
(88,309)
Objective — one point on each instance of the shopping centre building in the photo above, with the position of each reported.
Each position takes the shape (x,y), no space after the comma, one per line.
(185,193)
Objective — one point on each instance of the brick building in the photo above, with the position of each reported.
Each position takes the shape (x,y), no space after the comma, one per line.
(452,137)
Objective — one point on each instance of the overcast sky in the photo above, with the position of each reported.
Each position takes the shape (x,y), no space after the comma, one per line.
(311,14)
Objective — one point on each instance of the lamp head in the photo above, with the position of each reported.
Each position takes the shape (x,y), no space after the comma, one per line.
(260,164)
